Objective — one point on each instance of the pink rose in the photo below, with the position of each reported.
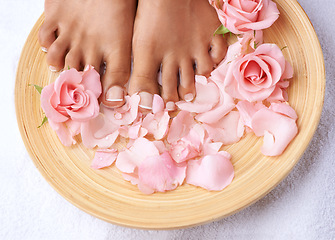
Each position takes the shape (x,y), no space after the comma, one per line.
(240,16)
(70,101)
(256,76)
(74,95)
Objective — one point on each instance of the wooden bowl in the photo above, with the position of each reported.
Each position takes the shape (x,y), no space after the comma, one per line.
(106,195)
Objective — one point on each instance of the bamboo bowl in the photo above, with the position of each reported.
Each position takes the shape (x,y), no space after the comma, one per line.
(106,195)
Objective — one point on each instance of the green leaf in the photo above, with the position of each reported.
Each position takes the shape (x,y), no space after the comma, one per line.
(38,88)
(45,119)
(283,48)
(68,67)
(221,30)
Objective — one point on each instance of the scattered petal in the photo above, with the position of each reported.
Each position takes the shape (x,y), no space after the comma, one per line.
(212,172)
(160,173)
(104,158)
(99,132)
(278,130)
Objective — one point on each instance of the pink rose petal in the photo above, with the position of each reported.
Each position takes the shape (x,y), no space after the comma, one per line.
(65,131)
(126,114)
(99,132)
(212,172)
(247,111)
(157,104)
(285,109)
(129,159)
(278,130)
(227,130)
(157,124)
(225,105)
(49,109)
(104,158)
(207,96)
(180,126)
(91,81)
(160,173)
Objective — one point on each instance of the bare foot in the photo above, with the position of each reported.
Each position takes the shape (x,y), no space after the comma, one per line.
(174,36)
(77,33)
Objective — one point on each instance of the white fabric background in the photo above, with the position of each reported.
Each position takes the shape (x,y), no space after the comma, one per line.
(301,207)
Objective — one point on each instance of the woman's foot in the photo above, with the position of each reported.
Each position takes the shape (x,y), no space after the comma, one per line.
(176,38)
(77,33)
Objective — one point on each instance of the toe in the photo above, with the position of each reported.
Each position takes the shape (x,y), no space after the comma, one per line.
(56,54)
(219,48)
(73,59)
(144,77)
(115,78)
(186,87)
(170,82)
(46,35)
(93,58)
(204,63)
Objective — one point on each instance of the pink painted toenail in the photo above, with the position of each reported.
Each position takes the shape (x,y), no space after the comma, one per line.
(170,106)
(44,49)
(146,100)
(53,69)
(115,94)
(189,97)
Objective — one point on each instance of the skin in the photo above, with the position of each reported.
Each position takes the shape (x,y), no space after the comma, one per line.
(77,33)
(174,37)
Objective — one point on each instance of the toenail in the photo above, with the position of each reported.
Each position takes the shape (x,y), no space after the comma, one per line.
(53,69)
(146,100)
(115,94)
(189,97)
(44,49)
(170,106)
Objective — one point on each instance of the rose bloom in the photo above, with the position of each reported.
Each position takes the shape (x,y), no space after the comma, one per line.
(256,76)
(71,100)
(74,95)
(240,16)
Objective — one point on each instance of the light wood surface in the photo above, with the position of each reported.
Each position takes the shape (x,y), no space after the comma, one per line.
(106,195)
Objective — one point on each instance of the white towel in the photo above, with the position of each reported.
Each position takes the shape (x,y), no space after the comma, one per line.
(301,207)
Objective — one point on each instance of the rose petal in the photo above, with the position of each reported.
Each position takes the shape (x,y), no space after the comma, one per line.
(280,131)
(129,159)
(212,172)
(225,105)
(86,113)
(180,126)
(285,109)
(99,132)
(91,81)
(247,111)
(207,96)
(48,108)
(157,124)
(160,174)
(124,115)
(157,104)
(63,132)
(228,130)
(104,158)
